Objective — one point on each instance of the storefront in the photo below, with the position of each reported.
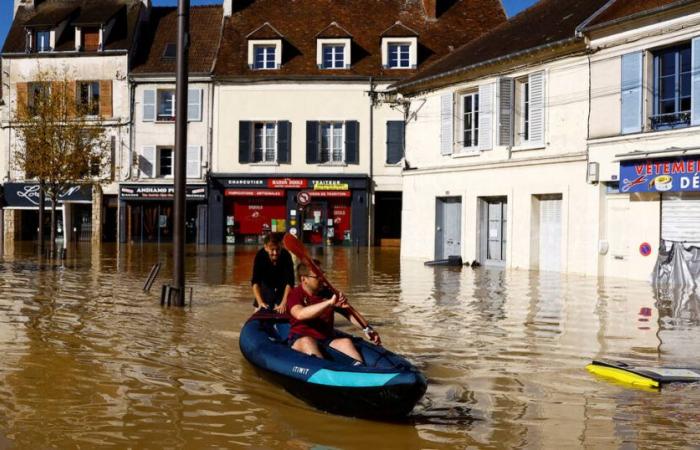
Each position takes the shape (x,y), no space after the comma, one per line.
(146,213)
(74,212)
(320,210)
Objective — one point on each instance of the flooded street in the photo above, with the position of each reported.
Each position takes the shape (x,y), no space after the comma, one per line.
(89,359)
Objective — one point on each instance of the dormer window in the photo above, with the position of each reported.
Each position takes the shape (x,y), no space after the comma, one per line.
(42,41)
(90,39)
(333,53)
(400,53)
(265,54)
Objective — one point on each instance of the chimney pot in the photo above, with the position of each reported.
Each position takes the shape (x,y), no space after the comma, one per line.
(430,7)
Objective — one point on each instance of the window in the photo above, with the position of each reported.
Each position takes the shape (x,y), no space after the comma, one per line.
(91,39)
(333,56)
(470,120)
(264,142)
(264,57)
(399,56)
(672,81)
(166,105)
(522,110)
(39,93)
(332,140)
(42,41)
(89,97)
(170,51)
(165,162)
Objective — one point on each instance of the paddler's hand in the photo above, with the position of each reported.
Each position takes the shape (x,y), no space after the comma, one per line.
(372,335)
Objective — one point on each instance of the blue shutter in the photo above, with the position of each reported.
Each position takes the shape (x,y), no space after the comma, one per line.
(284,137)
(632,92)
(446,124)
(149,105)
(695,84)
(394,141)
(352,142)
(245,141)
(312,150)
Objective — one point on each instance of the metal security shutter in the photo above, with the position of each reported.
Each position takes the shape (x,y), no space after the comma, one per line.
(550,234)
(680,218)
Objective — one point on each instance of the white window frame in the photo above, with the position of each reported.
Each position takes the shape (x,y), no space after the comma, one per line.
(264,148)
(254,43)
(522,131)
(161,117)
(412,42)
(332,126)
(47,48)
(158,165)
(322,43)
(474,95)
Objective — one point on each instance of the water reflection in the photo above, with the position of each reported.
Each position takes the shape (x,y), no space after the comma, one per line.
(89,359)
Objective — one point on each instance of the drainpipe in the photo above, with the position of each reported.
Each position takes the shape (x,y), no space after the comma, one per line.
(370,190)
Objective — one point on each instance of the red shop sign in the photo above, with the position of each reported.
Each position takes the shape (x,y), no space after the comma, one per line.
(327,194)
(289,183)
(254,193)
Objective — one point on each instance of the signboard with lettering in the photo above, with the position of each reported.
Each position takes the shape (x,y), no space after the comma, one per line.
(26,195)
(160,192)
(330,185)
(329,194)
(254,193)
(288,183)
(662,175)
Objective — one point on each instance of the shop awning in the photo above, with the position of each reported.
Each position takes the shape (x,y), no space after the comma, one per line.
(665,153)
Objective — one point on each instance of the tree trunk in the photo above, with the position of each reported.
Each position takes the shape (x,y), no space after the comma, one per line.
(52,244)
(42,196)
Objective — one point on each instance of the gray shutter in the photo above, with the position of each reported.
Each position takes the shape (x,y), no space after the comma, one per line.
(536,82)
(147,162)
(485,117)
(695,84)
(632,93)
(245,141)
(394,141)
(679,218)
(446,124)
(312,149)
(194,161)
(194,105)
(284,137)
(352,142)
(149,105)
(505,111)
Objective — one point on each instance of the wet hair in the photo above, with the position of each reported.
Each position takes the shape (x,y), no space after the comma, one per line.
(303,270)
(272,238)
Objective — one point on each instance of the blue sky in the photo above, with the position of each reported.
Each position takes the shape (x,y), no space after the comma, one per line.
(512,7)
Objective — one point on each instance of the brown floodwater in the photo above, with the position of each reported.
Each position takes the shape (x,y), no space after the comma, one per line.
(90,360)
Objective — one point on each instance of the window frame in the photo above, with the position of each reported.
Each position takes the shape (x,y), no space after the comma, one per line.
(332,126)
(159,165)
(321,44)
(35,37)
(163,117)
(33,88)
(411,42)
(474,96)
(253,44)
(683,116)
(523,99)
(264,148)
(93,106)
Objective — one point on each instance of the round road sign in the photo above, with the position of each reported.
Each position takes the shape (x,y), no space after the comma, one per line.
(645,249)
(303,198)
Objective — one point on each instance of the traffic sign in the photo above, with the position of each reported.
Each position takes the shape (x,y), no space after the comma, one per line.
(303,198)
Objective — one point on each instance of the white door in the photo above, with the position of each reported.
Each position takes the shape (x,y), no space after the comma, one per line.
(448,227)
(550,234)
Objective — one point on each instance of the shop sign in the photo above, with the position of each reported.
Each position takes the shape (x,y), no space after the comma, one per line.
(245,182)
(254,193)
(26,195)
(330,185)
(662,175)
(287,183)
(330,194)
(160,192)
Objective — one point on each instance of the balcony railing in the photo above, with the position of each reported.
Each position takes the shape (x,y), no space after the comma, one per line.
(670,121)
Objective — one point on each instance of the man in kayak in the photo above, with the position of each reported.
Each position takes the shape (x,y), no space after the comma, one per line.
(273,275)
(312,317)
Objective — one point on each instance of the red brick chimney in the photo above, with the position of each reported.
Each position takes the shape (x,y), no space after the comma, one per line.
(430,8)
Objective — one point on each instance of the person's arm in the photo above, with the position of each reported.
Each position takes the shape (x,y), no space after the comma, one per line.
(282,307)
(312,311)
(342,306)
(258,297)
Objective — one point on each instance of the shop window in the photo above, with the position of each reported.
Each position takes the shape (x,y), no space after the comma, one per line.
(672,88)
(165,162)
(89,97)
(470,121)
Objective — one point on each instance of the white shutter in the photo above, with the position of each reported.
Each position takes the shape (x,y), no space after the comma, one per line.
(446,124)
(680,216)
(536,82)
(550,234)
(194,161)
(505,111)
(194,105)
(147,162)
(149,105)
(695,83)
(631,87)
(485,117)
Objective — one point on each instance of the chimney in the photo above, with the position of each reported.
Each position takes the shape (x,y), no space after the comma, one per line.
(228,8)
(31,4)
(430,7)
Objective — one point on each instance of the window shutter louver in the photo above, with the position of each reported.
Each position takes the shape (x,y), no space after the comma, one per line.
(695,83)
(446,124)
(284,138)
(632,93)
(22,97)
(352,142)
(312,150)
(505,111)
(147,160)
(536,82)
(245,141)
(194,161)
(149,105)
(395,141)
(485,117)
(194,105)
(106,98)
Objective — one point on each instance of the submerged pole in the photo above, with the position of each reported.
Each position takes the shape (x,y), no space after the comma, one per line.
(181,82)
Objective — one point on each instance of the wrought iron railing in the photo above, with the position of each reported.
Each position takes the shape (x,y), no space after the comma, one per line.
(670,121)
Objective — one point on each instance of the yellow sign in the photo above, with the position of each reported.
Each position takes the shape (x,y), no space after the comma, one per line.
(331,187)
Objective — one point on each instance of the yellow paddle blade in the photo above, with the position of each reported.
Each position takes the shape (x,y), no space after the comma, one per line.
(622,376)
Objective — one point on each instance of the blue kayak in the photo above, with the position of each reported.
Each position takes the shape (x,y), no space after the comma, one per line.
(387,386)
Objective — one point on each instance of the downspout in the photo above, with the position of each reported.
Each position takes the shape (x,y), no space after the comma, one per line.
(132,136)
(370,190)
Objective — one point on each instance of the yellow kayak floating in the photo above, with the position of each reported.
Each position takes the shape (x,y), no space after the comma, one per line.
(643,376)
